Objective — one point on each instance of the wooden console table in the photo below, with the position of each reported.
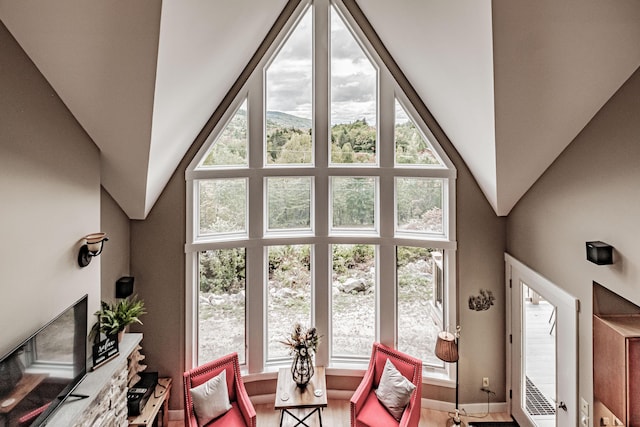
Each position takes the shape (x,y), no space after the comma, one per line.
(158,400)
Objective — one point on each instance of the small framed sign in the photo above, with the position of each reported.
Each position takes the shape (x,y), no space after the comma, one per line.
(104,351)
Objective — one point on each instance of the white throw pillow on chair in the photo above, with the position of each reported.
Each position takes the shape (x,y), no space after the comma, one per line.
(394,390)
(211,399)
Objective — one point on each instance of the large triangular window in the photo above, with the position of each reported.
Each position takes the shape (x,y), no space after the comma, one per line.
(320,197)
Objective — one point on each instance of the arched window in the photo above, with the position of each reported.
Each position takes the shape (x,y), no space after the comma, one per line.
(320,197)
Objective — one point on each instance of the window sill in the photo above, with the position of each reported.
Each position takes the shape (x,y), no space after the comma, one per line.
(271,373)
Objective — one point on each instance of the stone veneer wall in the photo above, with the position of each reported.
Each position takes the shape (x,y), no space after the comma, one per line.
(109,408)
(106,387)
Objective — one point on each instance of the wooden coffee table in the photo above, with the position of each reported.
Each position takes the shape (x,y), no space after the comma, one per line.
(290,396)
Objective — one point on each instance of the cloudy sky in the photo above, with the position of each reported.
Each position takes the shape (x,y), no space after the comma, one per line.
(353,77)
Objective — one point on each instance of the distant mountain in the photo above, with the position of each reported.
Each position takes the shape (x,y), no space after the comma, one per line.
(284,120)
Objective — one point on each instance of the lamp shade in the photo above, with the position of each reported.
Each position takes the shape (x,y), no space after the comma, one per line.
(446,347)
(95,237)
(94,242)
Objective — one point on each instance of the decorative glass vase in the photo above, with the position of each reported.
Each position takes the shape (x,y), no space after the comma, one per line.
(302,368)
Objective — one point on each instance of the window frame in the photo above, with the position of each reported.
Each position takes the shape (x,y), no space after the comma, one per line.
(277,362)
(256,241)
(290,232)
(220,236)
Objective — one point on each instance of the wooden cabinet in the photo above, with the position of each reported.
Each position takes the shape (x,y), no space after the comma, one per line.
(616,365)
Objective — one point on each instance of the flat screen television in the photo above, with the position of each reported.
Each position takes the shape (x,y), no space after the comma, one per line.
(39,374)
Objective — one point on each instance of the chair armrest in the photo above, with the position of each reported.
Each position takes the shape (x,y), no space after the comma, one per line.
(411,415)
(192,421)
(244,403)
(189,416)
(361,393)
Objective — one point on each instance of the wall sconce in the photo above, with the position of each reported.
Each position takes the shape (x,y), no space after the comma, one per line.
(124,286)
(599,253)
(92,247)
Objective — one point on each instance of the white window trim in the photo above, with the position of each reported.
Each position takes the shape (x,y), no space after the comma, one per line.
(291,232)
(253,92)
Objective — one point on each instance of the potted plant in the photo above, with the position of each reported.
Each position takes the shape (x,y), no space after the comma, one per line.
(113,318)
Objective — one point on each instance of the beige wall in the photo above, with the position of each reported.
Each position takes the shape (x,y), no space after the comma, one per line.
(115,258)
(157,263)
(101,58)
(49,200)
(591,192)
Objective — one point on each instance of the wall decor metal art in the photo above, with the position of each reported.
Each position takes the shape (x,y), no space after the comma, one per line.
(481,302)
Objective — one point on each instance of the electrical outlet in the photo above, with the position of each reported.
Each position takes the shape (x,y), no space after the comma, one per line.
(485,382)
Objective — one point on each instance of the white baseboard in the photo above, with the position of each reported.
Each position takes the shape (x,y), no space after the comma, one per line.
(261,399)
(340,394)
(469,408)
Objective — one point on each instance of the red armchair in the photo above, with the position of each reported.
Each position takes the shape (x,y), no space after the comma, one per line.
(241,413)
(366,409)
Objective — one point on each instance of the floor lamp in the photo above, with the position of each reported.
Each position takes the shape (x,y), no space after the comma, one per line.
(447,346)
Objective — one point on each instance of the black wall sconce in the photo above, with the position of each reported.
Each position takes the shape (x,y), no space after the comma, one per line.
(93,247)
(124,286)
(599,253)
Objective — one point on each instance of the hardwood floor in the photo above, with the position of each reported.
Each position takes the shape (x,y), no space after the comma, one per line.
(337,415)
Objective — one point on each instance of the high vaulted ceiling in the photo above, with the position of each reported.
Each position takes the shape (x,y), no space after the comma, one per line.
(511,82)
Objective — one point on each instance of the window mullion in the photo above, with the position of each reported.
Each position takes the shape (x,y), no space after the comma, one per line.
(321,73)
(386,294)
(255,309)
(255,121)
(321,268)
(320,299)
(386,301)
(386,119)
(254,300)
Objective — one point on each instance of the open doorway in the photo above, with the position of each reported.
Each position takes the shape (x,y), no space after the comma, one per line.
(538,330)
(542,329)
